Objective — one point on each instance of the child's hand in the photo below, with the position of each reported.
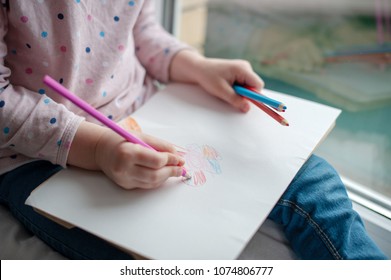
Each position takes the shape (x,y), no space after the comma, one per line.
(216,76)
(127,164)
(133,166)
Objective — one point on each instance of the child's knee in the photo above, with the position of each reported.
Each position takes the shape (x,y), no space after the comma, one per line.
(316,179)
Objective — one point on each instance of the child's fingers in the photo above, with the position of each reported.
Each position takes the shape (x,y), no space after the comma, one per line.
(159,144)
(147,178)
(154,159)
(165,147)
(253,80)
(145,168)
(245,75)
(173,160)
(234,99)
(242,74)
(157,177)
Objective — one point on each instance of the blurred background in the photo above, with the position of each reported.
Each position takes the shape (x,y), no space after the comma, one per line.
(335,52)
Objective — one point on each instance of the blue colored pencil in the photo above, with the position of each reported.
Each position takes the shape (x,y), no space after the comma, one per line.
(260,98)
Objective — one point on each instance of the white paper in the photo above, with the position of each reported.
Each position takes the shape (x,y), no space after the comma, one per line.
(242,164)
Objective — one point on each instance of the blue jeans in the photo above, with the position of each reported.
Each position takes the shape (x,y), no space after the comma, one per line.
(318,219)
(16,186)
(315,212)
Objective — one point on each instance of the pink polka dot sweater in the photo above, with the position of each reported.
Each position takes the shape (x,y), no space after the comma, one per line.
(107,52)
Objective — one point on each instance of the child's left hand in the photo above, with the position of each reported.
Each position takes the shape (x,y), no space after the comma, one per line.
(219,75)
(216,76)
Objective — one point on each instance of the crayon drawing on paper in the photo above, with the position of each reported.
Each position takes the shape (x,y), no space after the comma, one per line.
(202,163)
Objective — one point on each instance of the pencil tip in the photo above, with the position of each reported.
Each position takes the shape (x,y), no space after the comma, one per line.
(285,123)
(281,108)
(185,174)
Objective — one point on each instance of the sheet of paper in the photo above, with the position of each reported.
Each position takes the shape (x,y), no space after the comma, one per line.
(240,163)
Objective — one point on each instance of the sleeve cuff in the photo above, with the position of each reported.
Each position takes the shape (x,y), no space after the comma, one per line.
(66,140)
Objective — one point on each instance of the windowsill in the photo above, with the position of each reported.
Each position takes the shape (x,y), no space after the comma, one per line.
(378,226)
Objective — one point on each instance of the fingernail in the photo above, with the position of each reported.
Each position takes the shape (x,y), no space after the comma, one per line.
(181,161)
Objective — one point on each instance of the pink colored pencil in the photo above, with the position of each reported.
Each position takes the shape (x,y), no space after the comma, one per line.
(57,87)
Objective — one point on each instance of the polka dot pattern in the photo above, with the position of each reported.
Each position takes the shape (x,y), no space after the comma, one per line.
(24,19)
(89,81)
(93,59)
(60,15)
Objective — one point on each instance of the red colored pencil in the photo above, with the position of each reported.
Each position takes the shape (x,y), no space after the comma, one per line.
(267,109)
(270,112)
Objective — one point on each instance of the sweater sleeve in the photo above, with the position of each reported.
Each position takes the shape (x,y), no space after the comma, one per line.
(155,47)
(31,123)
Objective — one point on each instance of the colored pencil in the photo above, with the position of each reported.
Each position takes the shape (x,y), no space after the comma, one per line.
(280,119)
(270,112)
(257,92)
(258,97)
(57,87)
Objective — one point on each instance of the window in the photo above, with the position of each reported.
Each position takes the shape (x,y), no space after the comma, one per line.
(334,52)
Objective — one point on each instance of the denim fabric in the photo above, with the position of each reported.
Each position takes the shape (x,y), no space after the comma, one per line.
(318,219)
(315,213)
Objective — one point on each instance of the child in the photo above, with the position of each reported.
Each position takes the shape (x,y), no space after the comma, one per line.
(110,55)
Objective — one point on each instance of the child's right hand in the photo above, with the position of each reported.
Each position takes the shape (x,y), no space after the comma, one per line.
(127,164)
